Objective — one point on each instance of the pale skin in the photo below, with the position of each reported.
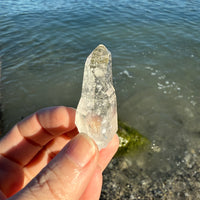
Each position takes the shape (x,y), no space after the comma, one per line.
(44,157)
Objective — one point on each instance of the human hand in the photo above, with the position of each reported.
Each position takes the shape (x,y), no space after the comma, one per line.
(44,157)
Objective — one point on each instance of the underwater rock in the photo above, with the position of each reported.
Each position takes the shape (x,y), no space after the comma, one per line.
(131,141)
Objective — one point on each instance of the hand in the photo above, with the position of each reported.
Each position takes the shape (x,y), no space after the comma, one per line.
(44,157)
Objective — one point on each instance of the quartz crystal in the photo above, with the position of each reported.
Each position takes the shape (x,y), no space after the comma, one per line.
(96,113)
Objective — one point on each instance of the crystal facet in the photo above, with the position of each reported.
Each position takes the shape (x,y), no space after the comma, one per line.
(96,113)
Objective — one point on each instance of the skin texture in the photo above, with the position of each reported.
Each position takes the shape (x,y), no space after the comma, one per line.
(44,157)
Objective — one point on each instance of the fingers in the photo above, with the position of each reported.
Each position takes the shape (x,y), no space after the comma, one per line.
(46,155)
(50,151)
(25,141)
(67,175)
(28,137)
(107,153)
(57,120)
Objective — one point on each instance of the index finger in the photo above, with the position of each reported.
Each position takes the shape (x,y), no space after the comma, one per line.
(29,136)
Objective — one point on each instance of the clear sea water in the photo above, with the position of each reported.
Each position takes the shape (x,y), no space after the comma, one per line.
(155,48)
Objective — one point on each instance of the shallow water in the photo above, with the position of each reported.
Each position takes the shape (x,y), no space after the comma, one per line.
(156,64)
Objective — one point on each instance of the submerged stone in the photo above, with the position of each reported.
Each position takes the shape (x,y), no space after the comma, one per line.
(96,113)
(131,141)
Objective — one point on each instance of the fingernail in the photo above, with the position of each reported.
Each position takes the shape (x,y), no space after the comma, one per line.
(80,149)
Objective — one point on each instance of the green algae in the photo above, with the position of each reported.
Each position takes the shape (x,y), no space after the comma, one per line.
(131,141)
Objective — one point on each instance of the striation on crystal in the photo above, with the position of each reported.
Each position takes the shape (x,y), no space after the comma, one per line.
(96,114)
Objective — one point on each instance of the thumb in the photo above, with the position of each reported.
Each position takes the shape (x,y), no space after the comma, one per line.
(67,175)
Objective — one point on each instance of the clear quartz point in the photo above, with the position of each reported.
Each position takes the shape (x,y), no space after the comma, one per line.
(96,113)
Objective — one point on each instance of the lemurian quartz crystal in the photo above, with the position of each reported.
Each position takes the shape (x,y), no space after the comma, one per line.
(96,113)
